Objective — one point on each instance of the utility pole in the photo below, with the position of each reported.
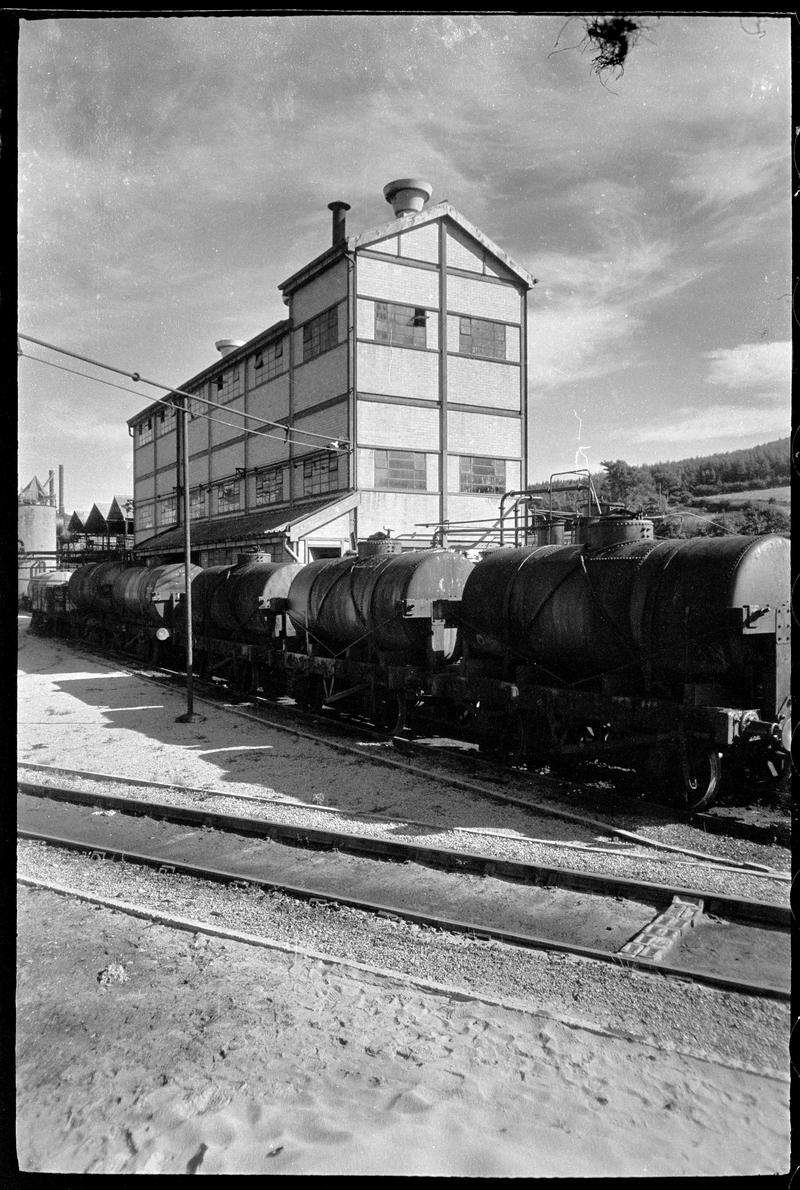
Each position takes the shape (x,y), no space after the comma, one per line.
(182,415)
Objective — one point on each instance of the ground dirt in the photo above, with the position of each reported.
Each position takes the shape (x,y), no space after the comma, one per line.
(142,1048)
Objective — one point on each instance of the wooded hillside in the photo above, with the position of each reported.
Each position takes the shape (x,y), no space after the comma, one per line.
(676,494)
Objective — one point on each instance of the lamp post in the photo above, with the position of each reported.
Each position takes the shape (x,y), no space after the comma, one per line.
(190,715)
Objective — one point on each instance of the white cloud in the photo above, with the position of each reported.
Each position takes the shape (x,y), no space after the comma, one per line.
(593,306)
(716,422)
(721,175)
(762,369)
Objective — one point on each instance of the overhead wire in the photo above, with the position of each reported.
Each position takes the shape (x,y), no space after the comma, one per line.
(286,438)
(178,391)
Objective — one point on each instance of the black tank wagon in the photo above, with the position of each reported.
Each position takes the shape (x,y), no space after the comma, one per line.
(670,657)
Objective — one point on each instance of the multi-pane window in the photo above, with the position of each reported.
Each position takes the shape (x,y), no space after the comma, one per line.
(197,503)
(229,496)
(476,336)
(228,384)
(320,333)
(481,476)
(165,421)
(166,510)
(320,475)
(405,326)
(405,469)
(269,486)
(144,516)
(196,405)
(144,432)
(270,361)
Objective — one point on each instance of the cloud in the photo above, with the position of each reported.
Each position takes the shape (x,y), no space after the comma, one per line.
(760,370)
(714,423)
(595,306)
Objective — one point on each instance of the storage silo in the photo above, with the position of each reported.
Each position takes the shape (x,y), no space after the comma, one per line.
(36,536)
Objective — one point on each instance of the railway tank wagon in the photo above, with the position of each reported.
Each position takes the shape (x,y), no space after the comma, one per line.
(673,654)
(51,606)
(127,607)
(367,636)
(237,634)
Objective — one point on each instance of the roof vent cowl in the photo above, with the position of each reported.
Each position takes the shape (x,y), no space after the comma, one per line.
(407,195)
(226,346)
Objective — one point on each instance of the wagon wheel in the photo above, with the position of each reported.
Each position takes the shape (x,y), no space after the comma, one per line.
(309,692)
(516,739)
(272,681)
(244,678)
(388,710)
(699,771)
(761,768)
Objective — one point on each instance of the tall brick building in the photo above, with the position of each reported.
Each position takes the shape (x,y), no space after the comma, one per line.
(400,378)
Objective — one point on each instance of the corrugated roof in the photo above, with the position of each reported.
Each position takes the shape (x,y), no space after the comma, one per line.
(252,525)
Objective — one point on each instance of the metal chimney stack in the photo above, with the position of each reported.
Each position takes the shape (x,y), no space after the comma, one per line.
(51,485)
(338,232)
(61,488)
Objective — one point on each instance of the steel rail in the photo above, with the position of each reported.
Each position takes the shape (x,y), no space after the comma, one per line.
(206,793)
(317,896)
(473,787)
(443,858)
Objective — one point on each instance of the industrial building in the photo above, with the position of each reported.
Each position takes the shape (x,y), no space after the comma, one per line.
(392,400)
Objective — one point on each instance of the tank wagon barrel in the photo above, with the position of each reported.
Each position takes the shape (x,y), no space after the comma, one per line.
(680,643)
(668,656)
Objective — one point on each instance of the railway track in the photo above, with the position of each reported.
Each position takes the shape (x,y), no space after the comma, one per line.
(724,941)
(461,768)
(762,825)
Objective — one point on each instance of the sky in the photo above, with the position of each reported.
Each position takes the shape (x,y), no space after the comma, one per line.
(173,171)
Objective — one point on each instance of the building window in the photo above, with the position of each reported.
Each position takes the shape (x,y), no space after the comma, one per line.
(404,326)
(229,496)
(229,384)
(166,510)
(404,469)
(165,421)
(196,406)
(197,504)
(269,362)
(476,336)
(144,516)
(269,487)
(320,333)
(482,476)
(144,432)
(320,475)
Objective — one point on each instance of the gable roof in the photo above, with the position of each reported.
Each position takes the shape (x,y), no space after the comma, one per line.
(34,493)
(438,211)
(97,520)
(118,512)
(78,519)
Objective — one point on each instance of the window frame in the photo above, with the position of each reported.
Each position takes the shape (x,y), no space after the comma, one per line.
(321,333)
(315,473)
(275,478)
(479,348)
(483,490)
(392,484)
(395,333)
(223,507)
